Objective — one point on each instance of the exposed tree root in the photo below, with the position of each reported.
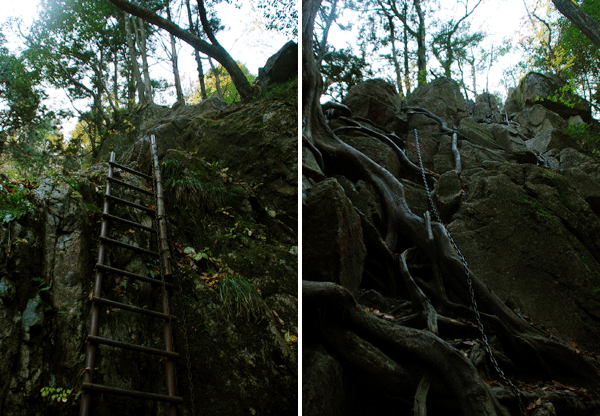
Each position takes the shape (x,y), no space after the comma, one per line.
(402,344)
(399,353)
(420,408)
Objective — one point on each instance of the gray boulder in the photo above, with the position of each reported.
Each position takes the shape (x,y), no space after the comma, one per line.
(548,90)
(442,97)
(377,100)
(330,224)
(281,67)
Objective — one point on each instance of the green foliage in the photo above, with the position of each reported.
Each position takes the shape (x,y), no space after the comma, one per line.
(281,92)
(191,191)
(557,46)
(582,133)
(172,169)
(58,395)
(282,16)
(13,201)
(197,256)
(201,187)
(228,90)
(241,299)
(342,70)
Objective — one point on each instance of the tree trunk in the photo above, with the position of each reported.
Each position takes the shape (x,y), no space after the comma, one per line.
(116,79)
(323,43)
(395,56)
(135,69)
(140,36)
(178,89)
(215,72)
(421,46)
(194,30)
(582,20)
(474,75)
(214,50)
(407,84)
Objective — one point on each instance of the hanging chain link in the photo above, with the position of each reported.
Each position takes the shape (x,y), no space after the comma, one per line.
(143,141)
(486,343)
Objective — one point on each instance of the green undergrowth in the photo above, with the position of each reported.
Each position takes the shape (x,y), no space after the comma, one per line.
(281,92)
(241,299)
(205,186)
(14,202)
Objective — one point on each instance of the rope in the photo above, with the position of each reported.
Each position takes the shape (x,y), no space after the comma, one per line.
(484,337)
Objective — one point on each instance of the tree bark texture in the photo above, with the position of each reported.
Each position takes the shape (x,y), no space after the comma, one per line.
(582,20)
(140,38)
(135,69)
(175,63)
(199,68)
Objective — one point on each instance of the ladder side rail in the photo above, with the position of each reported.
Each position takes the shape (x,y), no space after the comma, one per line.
(90,356)
(165,261)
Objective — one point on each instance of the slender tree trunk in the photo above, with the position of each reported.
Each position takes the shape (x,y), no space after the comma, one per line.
(395,55)
(135,69)
(421,46)
(474,75)
(177,79)
(194,30)
(140,35)
(215,72)
(407,86)
(323,43)
(116,79)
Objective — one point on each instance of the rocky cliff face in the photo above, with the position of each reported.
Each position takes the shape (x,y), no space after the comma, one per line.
(232,215)
(523,209)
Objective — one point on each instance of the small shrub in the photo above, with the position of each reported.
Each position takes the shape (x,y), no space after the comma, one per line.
(13,202)
(172,169)
(190,191)
(582,133)
(59,395)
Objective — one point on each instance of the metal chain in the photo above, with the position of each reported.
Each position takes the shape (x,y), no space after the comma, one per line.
(484,337)
(143,140)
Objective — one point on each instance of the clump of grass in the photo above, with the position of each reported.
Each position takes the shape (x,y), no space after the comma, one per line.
(287,91)
(172,169)
(191,191)
(241,299)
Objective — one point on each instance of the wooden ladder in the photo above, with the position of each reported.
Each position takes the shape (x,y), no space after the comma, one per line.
(163,253)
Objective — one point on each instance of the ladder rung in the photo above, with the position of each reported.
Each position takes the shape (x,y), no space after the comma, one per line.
(133,171)
(132,275)
(128,222)
(132,393)
(130,186)
(131,204)
(133,347)
(129,246)
(132,308)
